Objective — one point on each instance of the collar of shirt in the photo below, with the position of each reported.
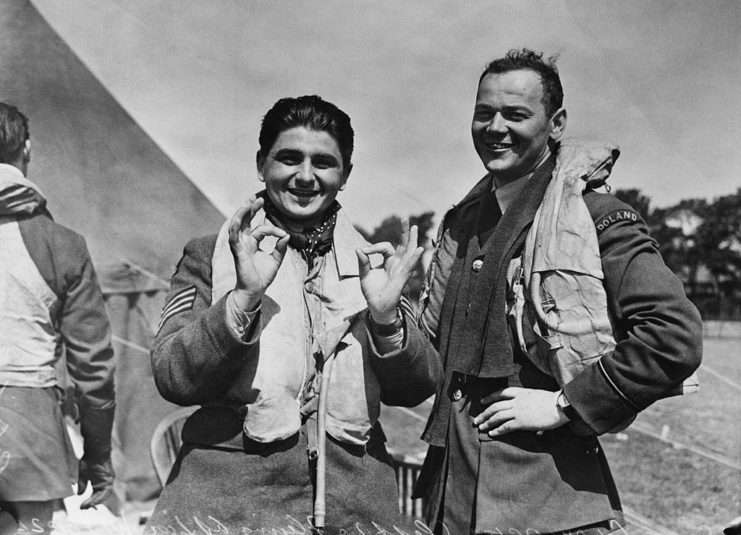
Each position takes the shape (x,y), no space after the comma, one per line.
(507,193)
(11,169)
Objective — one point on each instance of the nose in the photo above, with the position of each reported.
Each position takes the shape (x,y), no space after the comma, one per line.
(497,124)
(305,173)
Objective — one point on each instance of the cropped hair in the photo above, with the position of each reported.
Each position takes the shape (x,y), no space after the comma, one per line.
(314,113)
(516,60)
(13,132)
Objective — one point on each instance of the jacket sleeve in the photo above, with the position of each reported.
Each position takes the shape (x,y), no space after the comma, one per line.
(84,327)
(657,329)
(195,356)
(85,332)
(410,374)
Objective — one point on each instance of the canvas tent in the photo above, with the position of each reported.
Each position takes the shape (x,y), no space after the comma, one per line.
(105,178)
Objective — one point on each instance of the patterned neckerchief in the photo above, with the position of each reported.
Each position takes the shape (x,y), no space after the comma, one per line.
(311,242)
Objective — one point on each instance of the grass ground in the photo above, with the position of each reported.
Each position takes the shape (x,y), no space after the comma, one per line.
(678,488)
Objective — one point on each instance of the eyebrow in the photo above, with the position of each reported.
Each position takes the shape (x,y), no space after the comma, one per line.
(485,106)
(296,152)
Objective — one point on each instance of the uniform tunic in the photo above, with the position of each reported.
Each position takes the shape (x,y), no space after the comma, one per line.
(557,481)
(222,477)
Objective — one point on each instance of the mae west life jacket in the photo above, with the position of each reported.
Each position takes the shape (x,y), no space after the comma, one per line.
(558,279)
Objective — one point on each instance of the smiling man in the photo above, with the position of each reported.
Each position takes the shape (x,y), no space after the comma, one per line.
(555,317)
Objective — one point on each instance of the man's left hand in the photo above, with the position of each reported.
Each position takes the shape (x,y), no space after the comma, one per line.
(100,475)
(382,287)
(519,409)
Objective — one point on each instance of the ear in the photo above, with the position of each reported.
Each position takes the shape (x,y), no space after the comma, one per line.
(260,161)
(347,175)
(558,124)
(27,151)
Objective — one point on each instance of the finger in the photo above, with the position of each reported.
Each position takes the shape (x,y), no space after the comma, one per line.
(235,223)
(505,428)
(97,498)
(506,393)
(260,232)
(499,419)
(383,248)
(81,485)
(281,246)
(411,242)
(405,232)
(492,410)
(363,263)
(411,261)
(254,204)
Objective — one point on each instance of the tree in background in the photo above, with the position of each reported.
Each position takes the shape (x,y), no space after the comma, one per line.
(390,230)
(719,239)
(675,230)
(701,242)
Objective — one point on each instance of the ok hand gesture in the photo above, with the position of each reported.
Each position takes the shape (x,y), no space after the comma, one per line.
(382,286)
(256,269)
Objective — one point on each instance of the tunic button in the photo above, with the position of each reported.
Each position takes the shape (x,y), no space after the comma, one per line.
(457,395)
(477,264)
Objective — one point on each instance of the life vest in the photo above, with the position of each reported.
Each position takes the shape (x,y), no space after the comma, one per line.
(558,280)
(275,377)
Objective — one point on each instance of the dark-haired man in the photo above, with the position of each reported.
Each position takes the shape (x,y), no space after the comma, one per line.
(50,305)
(555,318)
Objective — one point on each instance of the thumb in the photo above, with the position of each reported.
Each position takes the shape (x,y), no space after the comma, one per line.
(81,485)
(82,477)
(280,248)
(97,498)
(363,263)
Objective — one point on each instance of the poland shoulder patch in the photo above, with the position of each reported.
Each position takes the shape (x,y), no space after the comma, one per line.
(616,216)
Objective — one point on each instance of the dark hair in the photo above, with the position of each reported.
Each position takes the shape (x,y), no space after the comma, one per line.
(13,132)
(516,60)
(312,112)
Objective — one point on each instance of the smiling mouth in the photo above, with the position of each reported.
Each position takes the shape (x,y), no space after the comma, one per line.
(303,193)
(499,146)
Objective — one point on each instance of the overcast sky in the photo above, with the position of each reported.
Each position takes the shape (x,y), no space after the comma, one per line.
(660,77)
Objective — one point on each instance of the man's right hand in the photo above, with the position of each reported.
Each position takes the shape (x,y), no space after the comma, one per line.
(383,286)
(256,269)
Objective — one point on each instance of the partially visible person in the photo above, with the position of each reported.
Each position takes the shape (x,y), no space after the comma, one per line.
(256,317)
(51,308)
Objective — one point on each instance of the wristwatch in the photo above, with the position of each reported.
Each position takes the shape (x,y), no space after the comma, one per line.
(390,328)
(565,407)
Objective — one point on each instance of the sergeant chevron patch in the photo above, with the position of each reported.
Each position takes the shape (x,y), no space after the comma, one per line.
(180,302)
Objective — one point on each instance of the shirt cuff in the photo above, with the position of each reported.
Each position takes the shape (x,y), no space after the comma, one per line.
(240,323)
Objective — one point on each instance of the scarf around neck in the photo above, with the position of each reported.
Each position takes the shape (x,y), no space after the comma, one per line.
(474,333)
(311,242)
